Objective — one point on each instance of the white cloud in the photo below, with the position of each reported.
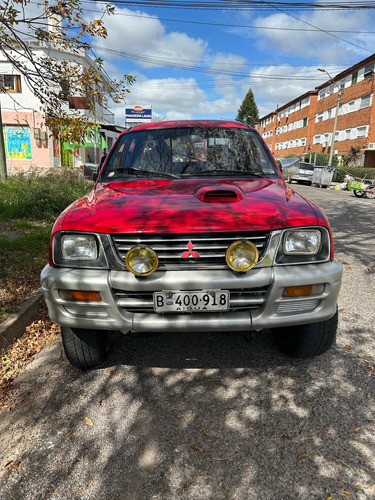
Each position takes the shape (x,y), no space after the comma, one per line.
(177,98)
(317,44)
(147,36)
(270,92)
(228,62)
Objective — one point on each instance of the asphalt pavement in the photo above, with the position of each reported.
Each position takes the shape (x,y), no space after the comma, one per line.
(208,416)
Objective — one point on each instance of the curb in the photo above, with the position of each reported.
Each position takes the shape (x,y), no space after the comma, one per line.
(15,325)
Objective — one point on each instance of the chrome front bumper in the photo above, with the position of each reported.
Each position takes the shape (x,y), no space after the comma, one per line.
(269,312)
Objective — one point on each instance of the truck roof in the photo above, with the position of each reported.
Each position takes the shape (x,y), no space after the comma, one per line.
(190,123)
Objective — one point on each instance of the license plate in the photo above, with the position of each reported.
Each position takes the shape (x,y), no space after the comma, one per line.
(203,301)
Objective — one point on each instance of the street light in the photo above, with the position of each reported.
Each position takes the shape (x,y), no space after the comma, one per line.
(339,93)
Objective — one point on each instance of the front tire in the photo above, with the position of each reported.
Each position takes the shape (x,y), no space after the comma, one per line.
(358,194)
(370,195)
(306,341)
(85,348)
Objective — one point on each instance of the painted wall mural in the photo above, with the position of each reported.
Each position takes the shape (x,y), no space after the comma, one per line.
(17,143)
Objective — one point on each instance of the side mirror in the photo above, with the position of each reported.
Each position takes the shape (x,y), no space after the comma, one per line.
(95,176)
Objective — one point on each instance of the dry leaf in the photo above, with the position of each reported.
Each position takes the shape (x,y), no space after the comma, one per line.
(89,421)
(181,372)
(67,435)
(197,448)
(356,429)
(348,346)
(113,373)
(302,456)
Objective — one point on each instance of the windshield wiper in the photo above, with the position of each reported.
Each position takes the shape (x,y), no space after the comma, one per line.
(219,172)
(141,171)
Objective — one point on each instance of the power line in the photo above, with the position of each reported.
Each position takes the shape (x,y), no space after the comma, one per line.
(228,25)
(224,25)
(171,62)
(246,5)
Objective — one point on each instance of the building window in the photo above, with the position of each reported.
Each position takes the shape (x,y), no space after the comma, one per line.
(347,134)
(10,83)
(369,71)
(361,132)
(365,101)
(319,117)
(317,139)
(354,77)
(305,122)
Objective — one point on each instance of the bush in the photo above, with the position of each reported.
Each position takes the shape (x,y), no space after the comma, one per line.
(41,196)
(356,172)
(321,159)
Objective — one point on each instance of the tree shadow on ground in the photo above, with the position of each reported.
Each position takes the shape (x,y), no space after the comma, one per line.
(197,416)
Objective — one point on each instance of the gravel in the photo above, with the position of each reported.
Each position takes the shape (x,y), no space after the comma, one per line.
(208,416)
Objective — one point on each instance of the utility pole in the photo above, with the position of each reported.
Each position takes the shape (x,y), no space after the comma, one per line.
(339,94)
(3,161)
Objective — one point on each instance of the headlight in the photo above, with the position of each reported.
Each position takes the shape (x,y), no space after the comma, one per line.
(141,261)
(302,242)
(242,256)
(79,247)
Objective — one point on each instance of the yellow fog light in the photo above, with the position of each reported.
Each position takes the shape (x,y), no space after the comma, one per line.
(141,261)
(242,256)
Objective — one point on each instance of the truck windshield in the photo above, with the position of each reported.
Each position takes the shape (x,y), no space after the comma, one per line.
(189,152)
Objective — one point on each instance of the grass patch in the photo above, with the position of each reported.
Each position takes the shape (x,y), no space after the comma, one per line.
(29,205)
(41,197)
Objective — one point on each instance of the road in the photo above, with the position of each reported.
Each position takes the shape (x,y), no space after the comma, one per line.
(209,416)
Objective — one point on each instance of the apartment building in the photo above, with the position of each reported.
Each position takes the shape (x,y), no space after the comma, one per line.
(305,124)
(28,142)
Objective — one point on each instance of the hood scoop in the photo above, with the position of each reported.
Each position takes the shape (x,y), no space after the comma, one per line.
(220,194)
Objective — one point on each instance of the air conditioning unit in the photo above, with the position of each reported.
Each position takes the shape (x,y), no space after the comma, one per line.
(371,145)
(324,144)
(286,114)
(335,151)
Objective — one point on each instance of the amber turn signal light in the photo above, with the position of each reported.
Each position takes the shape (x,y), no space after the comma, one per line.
(303,291)
(80,295)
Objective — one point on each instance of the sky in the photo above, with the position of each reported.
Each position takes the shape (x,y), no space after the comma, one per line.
(200,63)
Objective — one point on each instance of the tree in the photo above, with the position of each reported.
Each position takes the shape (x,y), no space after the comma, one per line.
(354,156)
(53,79)
(248,112)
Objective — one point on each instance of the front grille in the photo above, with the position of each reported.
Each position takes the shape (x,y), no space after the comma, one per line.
(143,302)
(291,306)
(180,251)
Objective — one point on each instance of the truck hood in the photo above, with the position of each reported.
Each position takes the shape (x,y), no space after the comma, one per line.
(182,206)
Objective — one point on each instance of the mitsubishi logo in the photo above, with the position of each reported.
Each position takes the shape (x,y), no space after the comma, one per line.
(190,253)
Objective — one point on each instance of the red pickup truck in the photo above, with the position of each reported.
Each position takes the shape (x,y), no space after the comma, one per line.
(191,227)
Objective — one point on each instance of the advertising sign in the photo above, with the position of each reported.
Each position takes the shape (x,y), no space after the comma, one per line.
(138,114)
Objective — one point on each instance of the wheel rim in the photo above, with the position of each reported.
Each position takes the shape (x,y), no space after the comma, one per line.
(370,195)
